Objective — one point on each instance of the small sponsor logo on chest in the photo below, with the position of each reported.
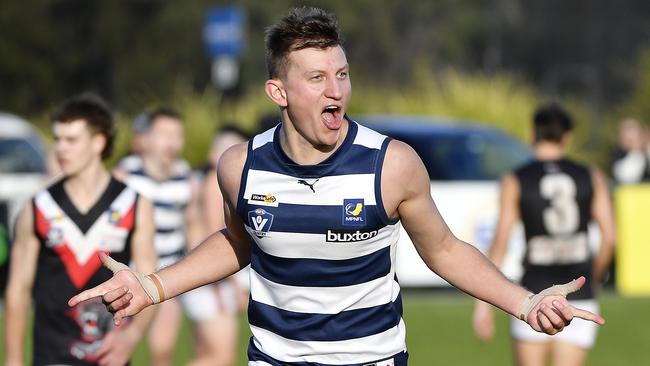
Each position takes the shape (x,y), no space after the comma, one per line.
(338,236)
(354,212)
(263,200)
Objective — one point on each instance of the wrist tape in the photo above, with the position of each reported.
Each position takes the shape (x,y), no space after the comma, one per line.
(151,284)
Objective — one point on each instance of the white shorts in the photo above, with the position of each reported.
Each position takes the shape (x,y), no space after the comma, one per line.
(206,302)
(580,332)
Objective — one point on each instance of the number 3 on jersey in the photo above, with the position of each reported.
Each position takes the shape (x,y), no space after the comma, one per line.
(563,215)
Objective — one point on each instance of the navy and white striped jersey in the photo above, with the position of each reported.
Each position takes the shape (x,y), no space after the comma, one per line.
(323,284)
(170,198)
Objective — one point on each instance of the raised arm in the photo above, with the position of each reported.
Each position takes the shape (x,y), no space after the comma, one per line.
(18,296)
(218,256)
(405,187)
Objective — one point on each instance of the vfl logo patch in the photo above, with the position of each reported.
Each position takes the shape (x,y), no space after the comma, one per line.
(260,221)
(263,200)
(338,236)
(354,212)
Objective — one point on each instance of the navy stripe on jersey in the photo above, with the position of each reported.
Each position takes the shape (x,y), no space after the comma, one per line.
(141,172)
(254,354)
(348,324)
(303,218)
(169,205)
(380,203)
(320,272)
(357,161)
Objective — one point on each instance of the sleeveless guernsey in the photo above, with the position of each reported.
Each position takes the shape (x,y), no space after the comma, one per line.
(68,263)
(323,284)
(170,198)
(555,206)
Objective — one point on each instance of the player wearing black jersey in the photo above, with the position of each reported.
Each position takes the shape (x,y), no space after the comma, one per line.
(555,198)
(58,238)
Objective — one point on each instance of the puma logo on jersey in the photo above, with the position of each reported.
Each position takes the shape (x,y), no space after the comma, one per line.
(310,185)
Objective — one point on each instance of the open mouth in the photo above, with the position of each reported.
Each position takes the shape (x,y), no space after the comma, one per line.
(331,116)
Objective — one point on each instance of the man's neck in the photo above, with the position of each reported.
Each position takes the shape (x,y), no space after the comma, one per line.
(86,187)
(546,150)
(302,151)
(155,168)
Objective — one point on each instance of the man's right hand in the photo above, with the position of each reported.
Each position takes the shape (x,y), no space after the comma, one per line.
(124,294)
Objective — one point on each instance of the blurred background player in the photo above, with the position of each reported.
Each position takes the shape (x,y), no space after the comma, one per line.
(231,293)
(58,237)
(158,173)
(555,198)
(631,156)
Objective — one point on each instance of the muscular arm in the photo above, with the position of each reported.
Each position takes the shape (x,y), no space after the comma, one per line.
(602,214)
(218,256)
(405,187)
(24,256)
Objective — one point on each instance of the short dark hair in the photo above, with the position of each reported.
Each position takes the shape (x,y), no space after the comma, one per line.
(551,122)
(94,110)
(303,27)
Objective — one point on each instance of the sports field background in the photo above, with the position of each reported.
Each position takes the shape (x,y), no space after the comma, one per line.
(439,333)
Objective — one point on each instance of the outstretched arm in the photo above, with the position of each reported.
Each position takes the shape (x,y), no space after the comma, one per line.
(459,263)
(218,256)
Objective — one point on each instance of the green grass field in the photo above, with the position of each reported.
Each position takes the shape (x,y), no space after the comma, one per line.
(439,333)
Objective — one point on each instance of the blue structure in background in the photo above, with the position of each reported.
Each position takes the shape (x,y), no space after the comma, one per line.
(223,32)
(225,41)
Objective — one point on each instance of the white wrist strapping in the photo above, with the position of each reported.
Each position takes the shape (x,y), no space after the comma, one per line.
(151,284)
(529,303)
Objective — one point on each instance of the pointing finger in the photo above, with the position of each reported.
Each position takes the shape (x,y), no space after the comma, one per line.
(97,291)
(588,315)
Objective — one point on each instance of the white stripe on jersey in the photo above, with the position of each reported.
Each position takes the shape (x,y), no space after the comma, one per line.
(324,300)
(167,218)
(167,243)
(263,138)
(101,235)
(302,245)
(173,192)
(331,190)
(330,352)
(369,138)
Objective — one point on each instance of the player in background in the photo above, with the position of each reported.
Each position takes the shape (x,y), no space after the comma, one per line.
(159,173)
(556,198)
(59,235)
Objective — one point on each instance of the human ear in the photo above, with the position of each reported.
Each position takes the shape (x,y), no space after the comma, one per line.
(275,90)
(98,143)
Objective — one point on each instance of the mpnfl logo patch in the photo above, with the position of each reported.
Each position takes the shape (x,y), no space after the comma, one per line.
(114,216)
(354,212)
(260,221)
